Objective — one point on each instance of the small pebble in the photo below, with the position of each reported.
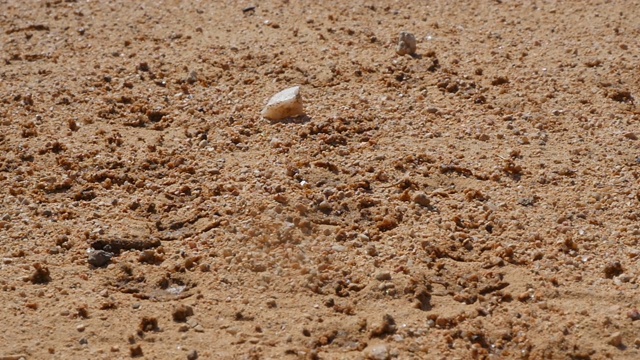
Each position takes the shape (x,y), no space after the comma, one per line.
(287,103)
(363,237)
(325,207)
(421,199)
(192,78)
(339,248)
(383,275)
(136,351)
(378,352)
(99,258)
(181,313)
(615,339)
(613,269)
(406,44)
(193,355)
(80,327)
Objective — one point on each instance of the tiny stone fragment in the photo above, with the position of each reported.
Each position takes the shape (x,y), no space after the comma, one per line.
(631,136)
(41,275)
(634,314)
(378,352)
(99,258)
(115,245)
(192,78)
(148,324)
(613,269)
(287,103)
(143,66)
(150,257)
(615,339)
(387,326)
(421,199)
(193,355)
(181,313)
(325,207)
(383,276)
(406,44)
(136,351)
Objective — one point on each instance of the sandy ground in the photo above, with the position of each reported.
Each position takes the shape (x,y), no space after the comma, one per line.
(478,200)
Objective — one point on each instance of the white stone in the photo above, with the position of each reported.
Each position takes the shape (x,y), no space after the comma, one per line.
(378,352)
(406,44)
(287,103)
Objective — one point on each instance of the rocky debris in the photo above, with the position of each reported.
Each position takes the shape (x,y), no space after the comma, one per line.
(383,275)
(615,339)
(116,245)
(623,96)
(99,258)
(195,325)
(285,104)
(14,357)
(387,326)
(181,312)
(192,355)
(499,80)
(613,269)
(143,66)
(406,44)
(148,323)
(41,275)
(150,257)
(136,351)
(378,352)
(422,199)
(192,78)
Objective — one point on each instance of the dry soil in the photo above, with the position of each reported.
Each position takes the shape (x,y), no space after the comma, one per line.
(477,200)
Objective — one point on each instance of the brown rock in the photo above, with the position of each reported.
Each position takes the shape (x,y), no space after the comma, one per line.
(181,312)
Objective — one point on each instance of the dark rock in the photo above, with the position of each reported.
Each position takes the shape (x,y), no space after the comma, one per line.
(193,355)
(117,244)
(41,275)
(181,313)
(99,258)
